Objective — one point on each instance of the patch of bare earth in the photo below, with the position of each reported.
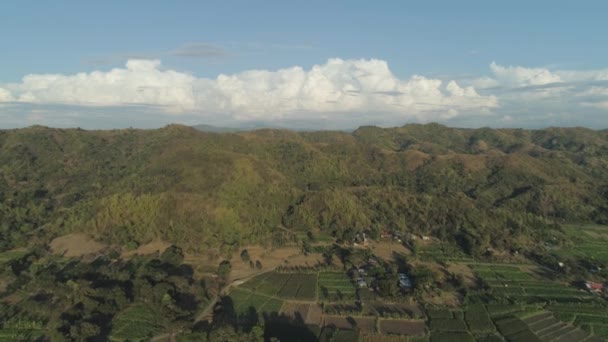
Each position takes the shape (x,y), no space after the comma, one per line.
(387,249)
(466,272)
(295,311)
(156,246)
(76,245)
(402,327)
(270,259)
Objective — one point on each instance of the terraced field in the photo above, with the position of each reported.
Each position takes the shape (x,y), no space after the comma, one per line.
(590,317)
(587,241)
(549,329)
(336,286)
(512,282)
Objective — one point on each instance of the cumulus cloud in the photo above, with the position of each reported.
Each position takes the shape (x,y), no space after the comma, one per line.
(516,76)
(336,86)
(338,94)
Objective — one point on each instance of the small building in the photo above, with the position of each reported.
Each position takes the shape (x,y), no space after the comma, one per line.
(404,281)
(594,287)
(361,283)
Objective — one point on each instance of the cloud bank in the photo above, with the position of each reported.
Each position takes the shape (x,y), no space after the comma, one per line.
(348,91)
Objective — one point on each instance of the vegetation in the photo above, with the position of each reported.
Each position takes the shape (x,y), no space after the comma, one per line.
(520,216)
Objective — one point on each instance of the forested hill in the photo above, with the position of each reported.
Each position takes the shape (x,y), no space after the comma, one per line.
(480,187)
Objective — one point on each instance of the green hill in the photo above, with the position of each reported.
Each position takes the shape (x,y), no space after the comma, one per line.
(479,187)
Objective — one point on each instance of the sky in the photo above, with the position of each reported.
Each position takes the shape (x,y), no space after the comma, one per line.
(303,64)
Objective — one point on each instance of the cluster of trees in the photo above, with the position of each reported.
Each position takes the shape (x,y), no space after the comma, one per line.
(76,300)
(478,188)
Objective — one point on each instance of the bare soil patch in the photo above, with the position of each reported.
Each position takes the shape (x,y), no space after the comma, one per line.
(310,314)
(315,315)
(270,259)
(295,311)
(387,249)
(401,327)
(157,246)
(464,270)
(76,245)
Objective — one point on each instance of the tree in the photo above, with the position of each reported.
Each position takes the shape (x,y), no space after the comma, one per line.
(245,255)
(224,269)
(172,255)
(258,265)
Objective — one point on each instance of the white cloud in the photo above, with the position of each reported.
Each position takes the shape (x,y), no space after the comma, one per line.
(599,105)
(516,76)
(339,93)
(5,95)
(336,86)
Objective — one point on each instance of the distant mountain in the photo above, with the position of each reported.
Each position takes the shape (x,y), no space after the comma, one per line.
(476,187)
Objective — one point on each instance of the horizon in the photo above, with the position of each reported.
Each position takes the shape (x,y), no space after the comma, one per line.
(469,65)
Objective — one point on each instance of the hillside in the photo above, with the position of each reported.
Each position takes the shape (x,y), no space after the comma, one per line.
(476,187)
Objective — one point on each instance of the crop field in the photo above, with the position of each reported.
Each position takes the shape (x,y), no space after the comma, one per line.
(593,317)
(21,330)
(448,325)
(335,286)
(137,323)
(439,314)
(516,330)
(353,323)
(443,252)
(588,241)
(300,286)
(396,310)
(510,281)
(244,300)
(451,337)
(478,320)
(402,327)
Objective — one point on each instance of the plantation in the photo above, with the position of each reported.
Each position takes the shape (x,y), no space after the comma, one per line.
(245,301)
(448,325)
(512,282)
(137,323)
(335,286)
(586,241)
(478,320)
(21,330)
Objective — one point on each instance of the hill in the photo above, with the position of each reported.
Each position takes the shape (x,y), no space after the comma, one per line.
(477,188)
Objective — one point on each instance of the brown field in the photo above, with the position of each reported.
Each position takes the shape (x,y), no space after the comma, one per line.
(354,323)
(386,249)
(402,327)
(469,278)
(76,245)
(315,315)
(270,259)
(309,314)
(149,248)
(367,337)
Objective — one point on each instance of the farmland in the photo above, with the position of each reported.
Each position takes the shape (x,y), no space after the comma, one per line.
(245,301)
(298,286)
(137,323)
(335,286)
(591,317)
(512,282)
(586,241)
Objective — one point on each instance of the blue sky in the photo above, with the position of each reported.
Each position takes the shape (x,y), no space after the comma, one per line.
(394,41)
